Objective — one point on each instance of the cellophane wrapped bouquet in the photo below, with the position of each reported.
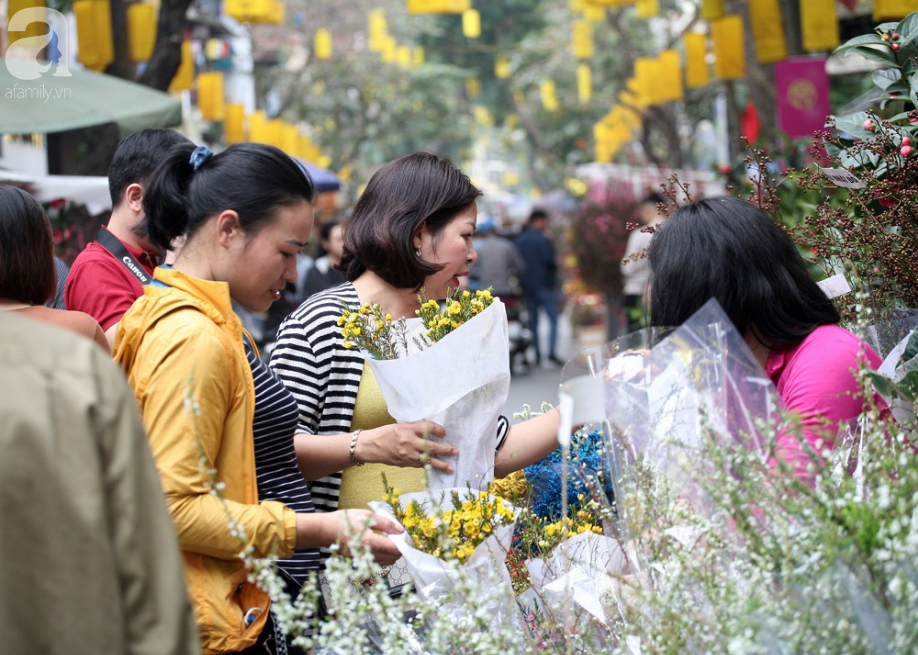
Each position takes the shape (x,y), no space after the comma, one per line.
(451,365)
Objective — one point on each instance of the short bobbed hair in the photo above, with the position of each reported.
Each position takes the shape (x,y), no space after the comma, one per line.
(415,190)
(726,248)
(26,249)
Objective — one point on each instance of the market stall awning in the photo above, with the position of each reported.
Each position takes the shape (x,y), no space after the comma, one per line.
(57,104)
(90,191)
(323,178)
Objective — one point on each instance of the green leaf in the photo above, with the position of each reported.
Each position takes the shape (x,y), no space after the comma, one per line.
(887,27)
(911,347)
(908,386)
(881,54)
(908,29)
(864,39)
(853,125)
(886,77)
(882,384)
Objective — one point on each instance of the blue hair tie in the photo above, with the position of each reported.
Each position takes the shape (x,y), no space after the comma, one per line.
(200,155)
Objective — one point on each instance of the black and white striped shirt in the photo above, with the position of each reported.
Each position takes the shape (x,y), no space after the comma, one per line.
(324,376)
(279,478)
(310,357)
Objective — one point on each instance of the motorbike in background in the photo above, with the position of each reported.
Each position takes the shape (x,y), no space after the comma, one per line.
(518,330)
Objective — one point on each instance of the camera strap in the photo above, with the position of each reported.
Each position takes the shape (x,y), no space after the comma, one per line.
(117,249)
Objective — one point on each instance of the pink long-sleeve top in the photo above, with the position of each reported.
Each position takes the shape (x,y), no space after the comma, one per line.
(816,379)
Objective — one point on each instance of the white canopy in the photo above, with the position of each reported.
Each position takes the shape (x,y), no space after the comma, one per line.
(86,190)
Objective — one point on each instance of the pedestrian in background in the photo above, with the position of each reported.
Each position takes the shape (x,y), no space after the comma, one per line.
(635,266)
(499,264)
(323,274)
(540,281)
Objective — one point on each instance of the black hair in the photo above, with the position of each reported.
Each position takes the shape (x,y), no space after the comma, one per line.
(538,214)
(726,248)
(326,229)
(415,190)
(136,157)
(27,272)
(252,179)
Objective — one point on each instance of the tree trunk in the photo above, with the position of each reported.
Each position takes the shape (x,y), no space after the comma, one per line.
(122,66)
(167,54)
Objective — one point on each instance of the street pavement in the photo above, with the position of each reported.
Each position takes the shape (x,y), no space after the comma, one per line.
(540,383)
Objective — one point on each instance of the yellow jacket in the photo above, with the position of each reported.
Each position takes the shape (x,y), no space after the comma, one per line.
(180,342)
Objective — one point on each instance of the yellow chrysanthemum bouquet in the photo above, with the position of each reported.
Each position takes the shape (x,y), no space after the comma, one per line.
(450,365)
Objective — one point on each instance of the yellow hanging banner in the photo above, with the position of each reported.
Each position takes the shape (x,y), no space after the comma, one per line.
(403,56)
(390,50)
(184,76)
(502,67)
(729,58)
(471,24)
(696,65)
(819,25)
(96,49)
(670,81)
(768,30)
(141,29)
(322,43)
(593,14)
(647,81)
(210,96)
(610,3)
(547,92)
(648,8)
(584,83)
(34,28)
(712,9)
(234,125)
(258,127)
(378,30)
(438,6)
(892,9)
(417,56)
(582,36)
(473,87)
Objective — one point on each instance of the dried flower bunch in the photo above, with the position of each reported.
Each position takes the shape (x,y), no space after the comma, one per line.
(371,329)
(451,534)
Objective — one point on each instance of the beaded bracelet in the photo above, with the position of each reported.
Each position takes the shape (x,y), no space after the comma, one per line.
(352,449)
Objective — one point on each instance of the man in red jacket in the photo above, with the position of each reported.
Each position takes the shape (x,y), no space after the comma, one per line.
(109,275)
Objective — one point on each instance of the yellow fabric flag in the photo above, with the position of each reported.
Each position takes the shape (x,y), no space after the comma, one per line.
(768,29)
(547,91)
(648,8)
(234,125)
(34,28)
(892,9)
(502,67)
(696,65)
(471,24)
(96,50)
(647,80)
(141,20)
(323,43)
(712,9)
(729,59)
(584,83)
(819,25)
(670,81)
(184,76)
(582,34)
(473,87)
(417,56)
(258,127)
(210,96)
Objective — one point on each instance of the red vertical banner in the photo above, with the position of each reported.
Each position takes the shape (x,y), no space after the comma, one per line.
(802,91)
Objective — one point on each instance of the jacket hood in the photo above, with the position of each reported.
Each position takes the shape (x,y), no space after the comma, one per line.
(181,291)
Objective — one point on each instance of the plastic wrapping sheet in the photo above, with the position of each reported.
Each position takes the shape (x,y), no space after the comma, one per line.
(461,382)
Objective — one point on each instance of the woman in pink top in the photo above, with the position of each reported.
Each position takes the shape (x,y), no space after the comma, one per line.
(728,249)
(27,272)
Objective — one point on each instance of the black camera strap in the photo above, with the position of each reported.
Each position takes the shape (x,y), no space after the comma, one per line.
(113,245)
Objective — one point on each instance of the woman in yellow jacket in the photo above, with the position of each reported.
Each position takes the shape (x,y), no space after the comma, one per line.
(246,213)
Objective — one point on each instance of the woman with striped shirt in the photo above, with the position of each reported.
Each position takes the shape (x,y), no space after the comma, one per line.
(412,228)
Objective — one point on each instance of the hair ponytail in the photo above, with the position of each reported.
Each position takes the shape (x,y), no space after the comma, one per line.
(165,201)
(252,179)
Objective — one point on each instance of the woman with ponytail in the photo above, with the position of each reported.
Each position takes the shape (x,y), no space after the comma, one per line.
(213,412)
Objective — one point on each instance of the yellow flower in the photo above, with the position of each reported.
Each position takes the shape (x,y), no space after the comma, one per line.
(465,294)
(388,317)
(348,345)
(484,294)
(454,308)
